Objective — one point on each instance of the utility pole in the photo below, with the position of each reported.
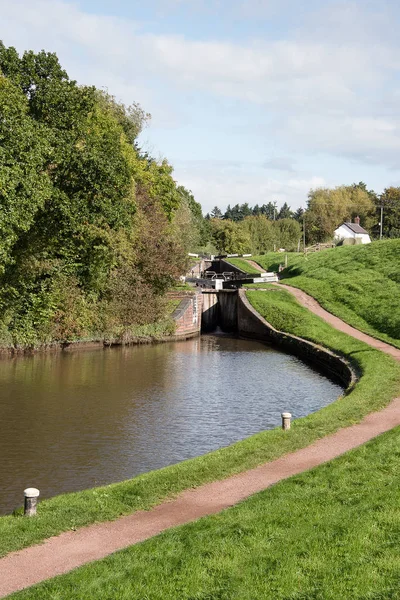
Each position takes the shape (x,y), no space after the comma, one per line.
(274,209)
(381,223)
(304,231)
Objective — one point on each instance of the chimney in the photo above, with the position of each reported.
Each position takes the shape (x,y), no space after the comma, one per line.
(357,220)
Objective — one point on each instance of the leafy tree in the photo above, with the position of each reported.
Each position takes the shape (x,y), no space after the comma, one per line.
(92,230)
(329,208)
(261,233)
(289,233)
(390,200)
(229,237)
(131,118)
(24,183)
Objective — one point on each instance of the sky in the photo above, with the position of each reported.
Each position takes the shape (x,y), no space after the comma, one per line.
(251,101)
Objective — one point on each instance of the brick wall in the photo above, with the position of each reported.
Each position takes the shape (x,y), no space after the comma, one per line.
(187,315)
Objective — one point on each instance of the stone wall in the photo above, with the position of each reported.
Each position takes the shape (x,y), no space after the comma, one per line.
(219,309)
(251,324)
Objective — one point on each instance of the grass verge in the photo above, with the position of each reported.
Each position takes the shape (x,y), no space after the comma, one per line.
(327,534)
(379,384)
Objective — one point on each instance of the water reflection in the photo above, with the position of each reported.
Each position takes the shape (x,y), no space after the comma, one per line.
(72,421)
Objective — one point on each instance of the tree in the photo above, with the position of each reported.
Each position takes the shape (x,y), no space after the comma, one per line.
(285,212)
(236,213)
(24,183)
(229,237)
(216,213)
(228,213)
(269,210)
(298,214)
(91,229)
(329,208)
(390,200)
(261,233)
(289,233)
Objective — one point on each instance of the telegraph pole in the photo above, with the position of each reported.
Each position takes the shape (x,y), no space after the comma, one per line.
(381,223)
(304,231)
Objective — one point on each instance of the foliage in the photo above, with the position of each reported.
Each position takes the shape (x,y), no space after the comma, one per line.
(329,208)
(24,186)
(83,210)
(255,234)
(390,200)
(229,237)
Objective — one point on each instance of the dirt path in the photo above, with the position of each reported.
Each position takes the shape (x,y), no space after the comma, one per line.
(312,305)
(69,550)
(255,265)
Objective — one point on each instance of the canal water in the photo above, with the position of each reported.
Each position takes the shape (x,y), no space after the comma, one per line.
(71,421)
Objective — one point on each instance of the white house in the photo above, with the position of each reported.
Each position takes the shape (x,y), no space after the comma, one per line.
(352,231)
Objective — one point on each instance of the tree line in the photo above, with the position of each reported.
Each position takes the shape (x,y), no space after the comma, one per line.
(93,231)
(260,229)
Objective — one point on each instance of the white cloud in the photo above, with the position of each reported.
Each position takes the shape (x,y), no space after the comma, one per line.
(222,182)
(280,163)
(327,86)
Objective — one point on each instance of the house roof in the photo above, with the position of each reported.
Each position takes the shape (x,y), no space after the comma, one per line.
(355,228)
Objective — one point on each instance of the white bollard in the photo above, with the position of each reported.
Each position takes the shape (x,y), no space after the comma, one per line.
(286,416)
(31,500)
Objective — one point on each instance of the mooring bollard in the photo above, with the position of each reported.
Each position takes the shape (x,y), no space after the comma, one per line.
(31,499)
(286,416)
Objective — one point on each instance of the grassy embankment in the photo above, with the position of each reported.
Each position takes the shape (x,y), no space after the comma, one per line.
(379,383)
(359,284)
(244,265)
(326,534)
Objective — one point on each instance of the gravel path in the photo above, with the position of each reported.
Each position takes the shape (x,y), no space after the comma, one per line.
(67,551)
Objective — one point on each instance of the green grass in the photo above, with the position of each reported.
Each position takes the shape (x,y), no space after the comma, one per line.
(331,533)
(359,284)
(378,385)
(242,263)
(270,261)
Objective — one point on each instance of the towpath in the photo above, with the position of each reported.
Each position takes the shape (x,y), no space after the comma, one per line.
(67,551)
(312,305)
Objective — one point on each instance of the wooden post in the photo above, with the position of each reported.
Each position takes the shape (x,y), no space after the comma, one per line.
(286,416)
(31,499)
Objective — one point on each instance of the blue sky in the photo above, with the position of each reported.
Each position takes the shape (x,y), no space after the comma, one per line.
(251,101)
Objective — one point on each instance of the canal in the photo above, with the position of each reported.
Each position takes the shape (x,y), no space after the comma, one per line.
(75,420)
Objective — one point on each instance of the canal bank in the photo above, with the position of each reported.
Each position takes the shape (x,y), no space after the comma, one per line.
(378,385)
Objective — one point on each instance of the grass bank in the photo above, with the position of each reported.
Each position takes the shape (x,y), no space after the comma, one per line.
(359,284)
(380,382)
(327,534)
(244,265)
